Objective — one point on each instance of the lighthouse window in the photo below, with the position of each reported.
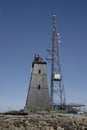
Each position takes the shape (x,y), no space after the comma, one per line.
(39,87)
(39,71)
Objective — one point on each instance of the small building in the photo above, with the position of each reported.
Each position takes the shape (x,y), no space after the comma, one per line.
(75,108)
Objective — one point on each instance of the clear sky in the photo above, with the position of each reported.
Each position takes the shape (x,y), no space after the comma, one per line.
(26,29)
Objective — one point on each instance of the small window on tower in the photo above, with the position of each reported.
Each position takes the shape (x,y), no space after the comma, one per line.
(39,71)
(39,87)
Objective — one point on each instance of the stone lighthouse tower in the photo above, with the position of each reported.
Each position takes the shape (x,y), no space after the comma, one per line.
(38,93)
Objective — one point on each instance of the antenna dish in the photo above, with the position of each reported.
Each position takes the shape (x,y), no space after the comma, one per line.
(54,15)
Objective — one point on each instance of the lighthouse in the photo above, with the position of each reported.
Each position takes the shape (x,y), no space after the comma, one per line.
(38,92)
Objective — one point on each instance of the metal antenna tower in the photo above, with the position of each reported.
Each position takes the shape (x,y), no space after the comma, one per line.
(57,93)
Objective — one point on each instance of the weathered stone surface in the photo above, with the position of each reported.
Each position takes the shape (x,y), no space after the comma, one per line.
(49,121)
(38,93)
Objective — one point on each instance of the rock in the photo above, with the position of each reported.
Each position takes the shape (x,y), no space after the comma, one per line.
(47,128)
(51,128)
(43,121)
(59,128)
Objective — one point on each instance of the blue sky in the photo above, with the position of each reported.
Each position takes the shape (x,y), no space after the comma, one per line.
(26,29)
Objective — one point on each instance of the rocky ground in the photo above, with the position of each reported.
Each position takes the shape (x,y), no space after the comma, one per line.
(43,121)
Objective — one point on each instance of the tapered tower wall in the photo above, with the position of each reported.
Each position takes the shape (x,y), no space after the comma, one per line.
(38,93)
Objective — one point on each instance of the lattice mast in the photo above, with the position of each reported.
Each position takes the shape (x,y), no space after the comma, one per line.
(57,93)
